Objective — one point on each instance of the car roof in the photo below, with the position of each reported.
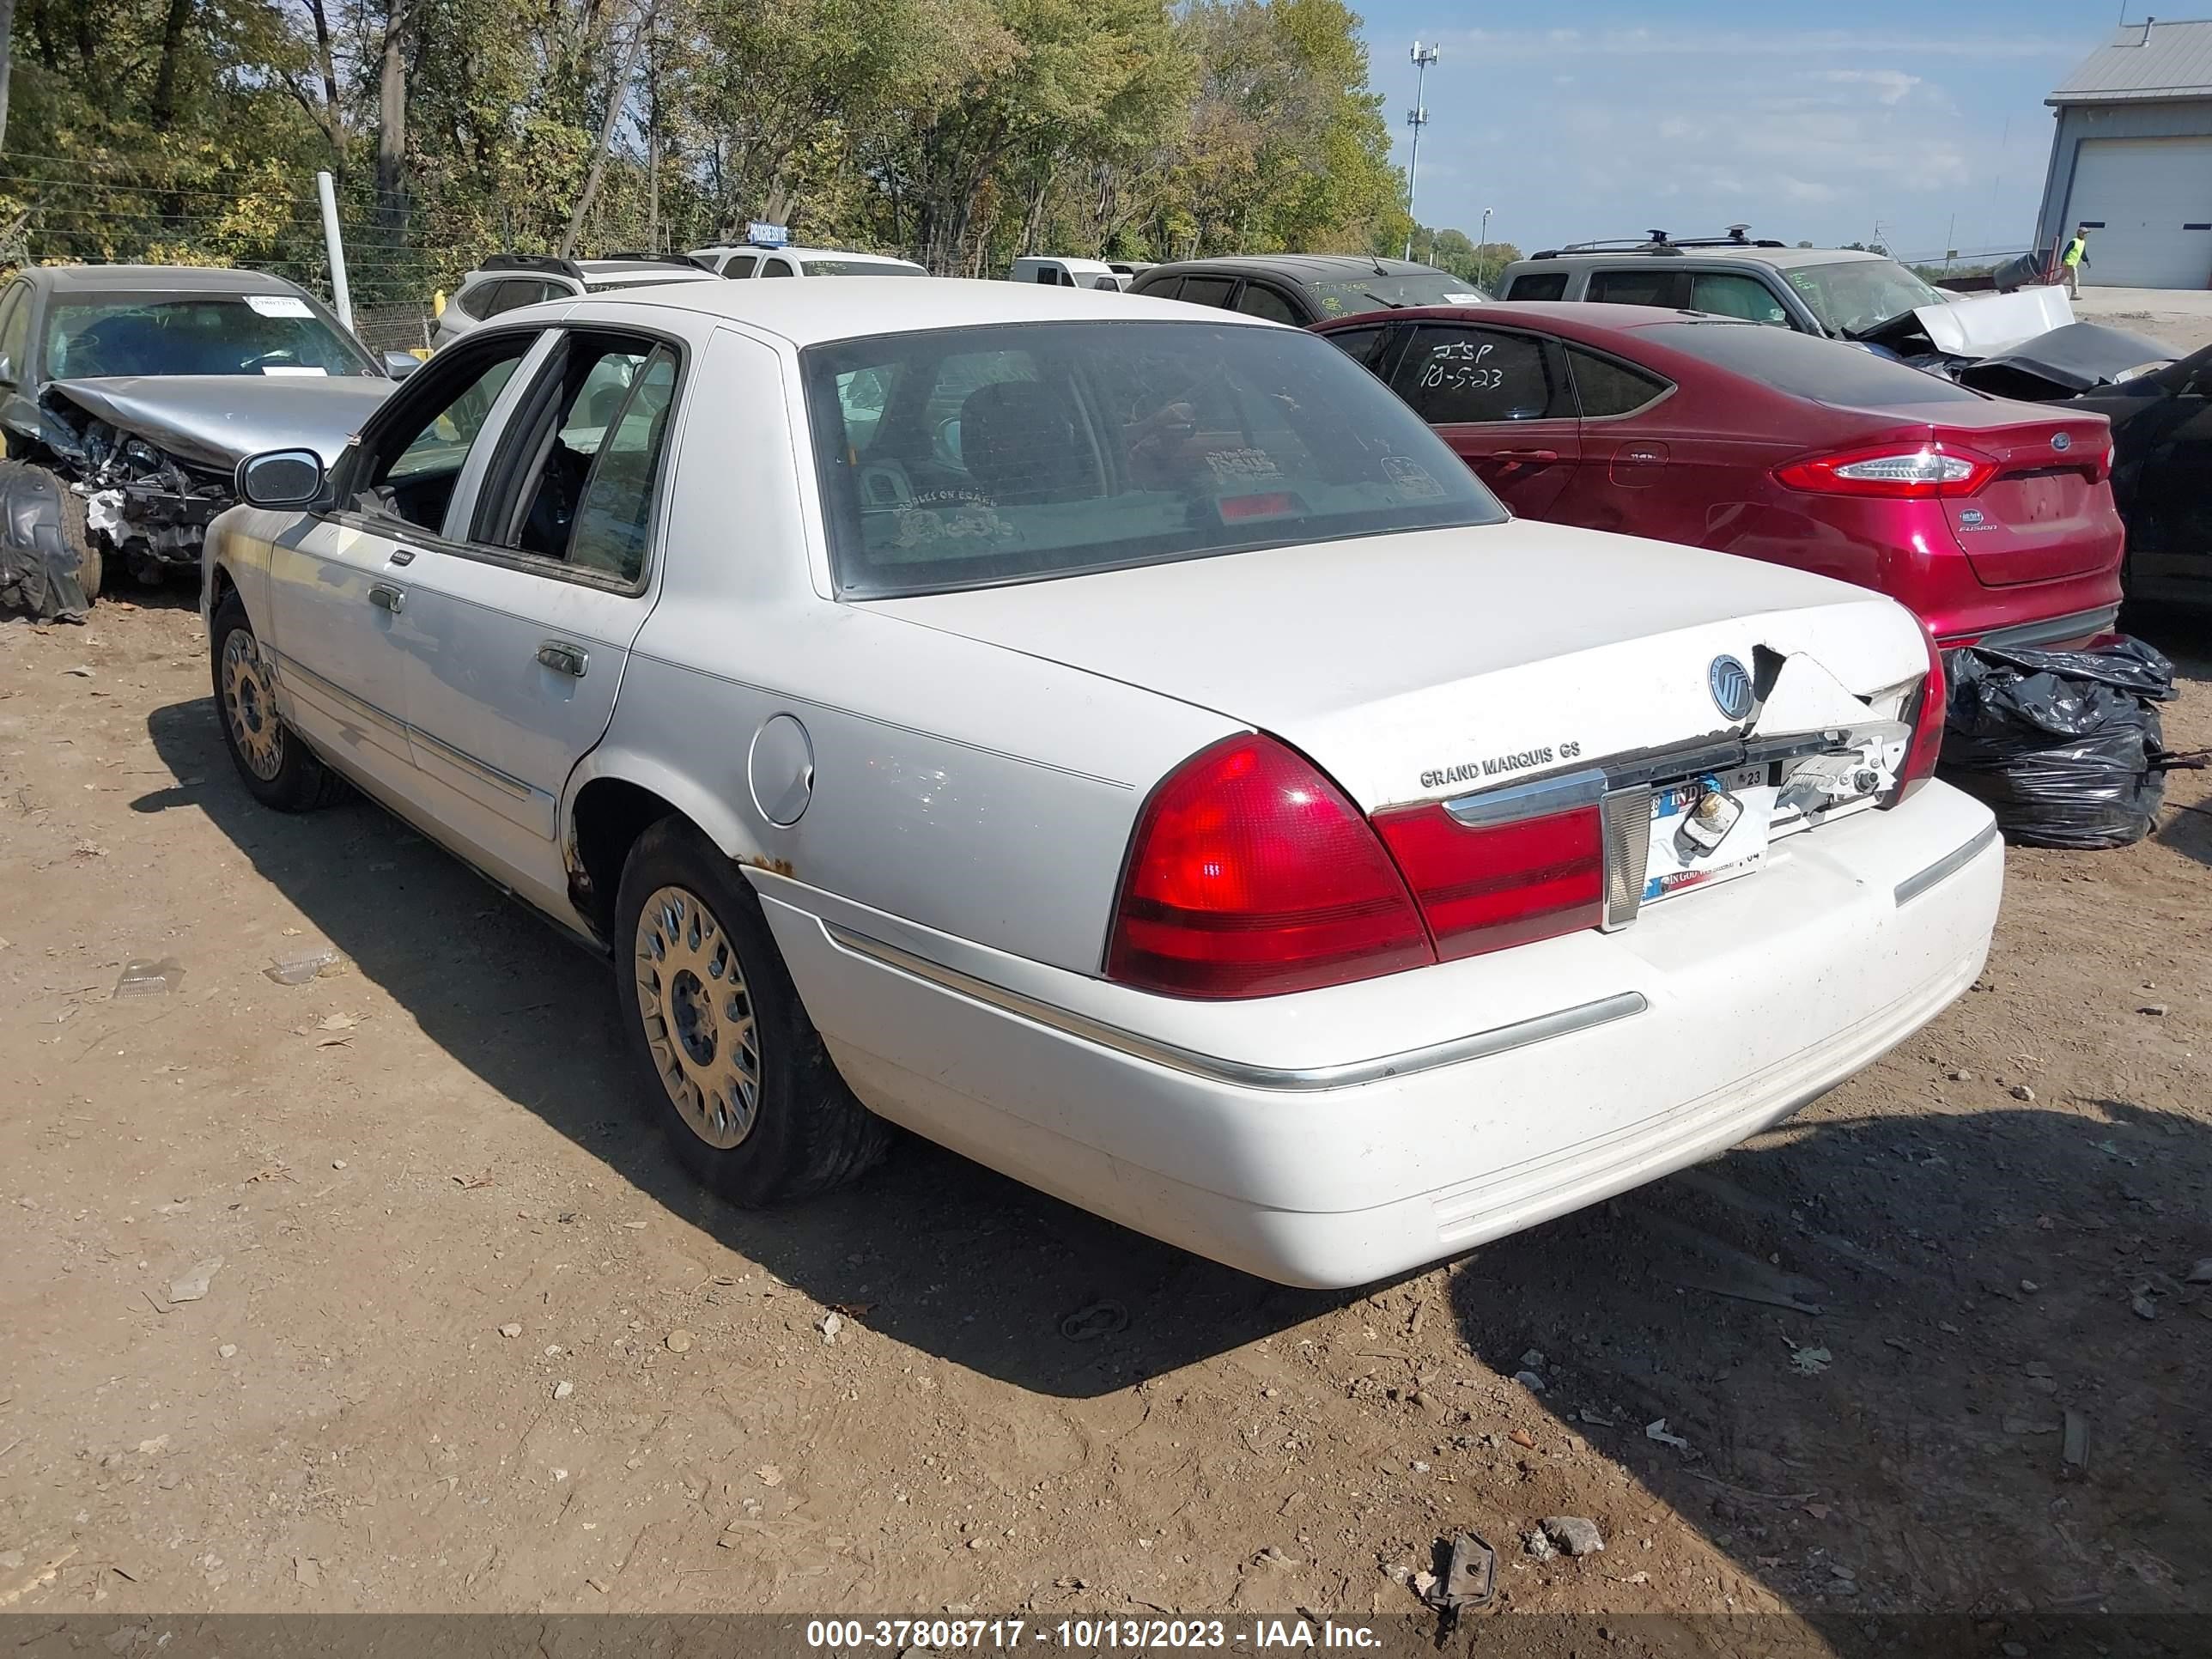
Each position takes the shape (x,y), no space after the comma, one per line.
(634,270)
(1304,267)
(805,252)
(1578,316)
(1782,259)
(807,313)
(176,279)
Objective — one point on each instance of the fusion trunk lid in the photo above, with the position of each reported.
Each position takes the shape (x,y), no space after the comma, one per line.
(2045,511)
(1430,666)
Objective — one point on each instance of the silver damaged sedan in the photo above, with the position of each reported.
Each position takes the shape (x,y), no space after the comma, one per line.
(1116,740)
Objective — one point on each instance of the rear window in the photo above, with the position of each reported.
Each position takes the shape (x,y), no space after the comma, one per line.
(1543,285)
(963,458)
(1825,371)
(862,268)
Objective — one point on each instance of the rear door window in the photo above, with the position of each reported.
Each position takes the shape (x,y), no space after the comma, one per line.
(1258,300)
(1207,290)
(776,268)
(1607,387)
(740,265)
(1456,376)
(1365,346)
(1539,285)
(1641,286)
(1727,293)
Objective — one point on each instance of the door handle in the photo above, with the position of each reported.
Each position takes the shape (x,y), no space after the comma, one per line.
(563,658)
(384,597)
(1539,456)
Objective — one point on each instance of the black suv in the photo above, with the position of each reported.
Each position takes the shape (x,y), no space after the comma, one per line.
(1303,288)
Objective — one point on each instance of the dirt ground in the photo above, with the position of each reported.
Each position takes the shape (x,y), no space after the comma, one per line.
(470,1341)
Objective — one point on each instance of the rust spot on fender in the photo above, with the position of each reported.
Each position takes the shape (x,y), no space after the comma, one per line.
(774,866)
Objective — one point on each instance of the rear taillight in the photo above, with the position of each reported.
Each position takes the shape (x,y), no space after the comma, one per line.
(1921,474)
(1250,874)
(1486,886)
(1926,712)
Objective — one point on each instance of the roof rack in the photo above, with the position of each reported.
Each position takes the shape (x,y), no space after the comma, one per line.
(544,262)
(1658,241)
(658,260)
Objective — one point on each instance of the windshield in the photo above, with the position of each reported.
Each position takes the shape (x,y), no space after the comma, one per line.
(863,268)
(1351,295)
(962,457)
(1852,295)
(204,334)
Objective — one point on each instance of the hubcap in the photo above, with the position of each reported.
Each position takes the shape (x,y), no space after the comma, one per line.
(247,707)
(698,1017)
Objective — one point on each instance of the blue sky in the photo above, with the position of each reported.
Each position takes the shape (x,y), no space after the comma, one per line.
(1578,120)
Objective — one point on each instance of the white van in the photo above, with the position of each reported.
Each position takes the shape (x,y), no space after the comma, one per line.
(1055,272)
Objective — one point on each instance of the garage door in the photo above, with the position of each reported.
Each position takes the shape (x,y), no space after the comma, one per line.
(2149,192)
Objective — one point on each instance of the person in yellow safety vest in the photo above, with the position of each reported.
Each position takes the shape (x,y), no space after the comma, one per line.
(2076,256)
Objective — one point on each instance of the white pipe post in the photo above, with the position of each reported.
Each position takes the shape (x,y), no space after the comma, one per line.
(341,296)
(1417,118)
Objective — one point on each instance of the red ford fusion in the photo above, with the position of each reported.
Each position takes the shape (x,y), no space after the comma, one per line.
(1993,520)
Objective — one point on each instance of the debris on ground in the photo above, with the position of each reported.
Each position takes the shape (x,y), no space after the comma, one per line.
(1536,1544)
(769,1474)
(1099,1319)
(150,979)
(325,964)
(512,1327)
(192,1286)
(829,1324)
(2201,1274)
(679,1341)
(564,1388)
(1658,1431)
(1576,1535)
(2074,1450)
(1809,1361)
(1530,1380)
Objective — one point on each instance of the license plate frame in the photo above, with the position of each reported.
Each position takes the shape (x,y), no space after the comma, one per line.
(1674,865)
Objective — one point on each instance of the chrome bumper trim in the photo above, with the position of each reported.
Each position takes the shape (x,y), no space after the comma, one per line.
(1949,865)
(1291,1079)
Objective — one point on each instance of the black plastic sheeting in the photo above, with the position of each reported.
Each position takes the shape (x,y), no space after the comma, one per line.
(2064,746)
(37,568)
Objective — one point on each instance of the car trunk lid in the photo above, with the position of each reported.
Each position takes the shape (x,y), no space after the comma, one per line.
(2048,511)
(1429,666)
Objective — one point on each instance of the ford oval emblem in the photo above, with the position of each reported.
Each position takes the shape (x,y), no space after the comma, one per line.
(1731,687)
(2062,440)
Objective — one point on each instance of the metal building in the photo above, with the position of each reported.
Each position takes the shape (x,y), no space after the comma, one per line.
(2132,157)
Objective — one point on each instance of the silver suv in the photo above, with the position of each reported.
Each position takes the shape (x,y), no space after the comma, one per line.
(507,282)
(1837,292)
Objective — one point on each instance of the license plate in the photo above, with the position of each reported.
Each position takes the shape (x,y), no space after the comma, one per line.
(1727,841)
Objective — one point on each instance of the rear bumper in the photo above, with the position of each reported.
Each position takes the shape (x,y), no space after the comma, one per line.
(2068,632)
(1337,1136)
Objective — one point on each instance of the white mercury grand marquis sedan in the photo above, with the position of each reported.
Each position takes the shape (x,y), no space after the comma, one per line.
(1116,740)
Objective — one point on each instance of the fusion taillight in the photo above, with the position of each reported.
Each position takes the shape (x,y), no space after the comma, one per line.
(1927,709)
(1483,887)
(1931,471)
(1250,874)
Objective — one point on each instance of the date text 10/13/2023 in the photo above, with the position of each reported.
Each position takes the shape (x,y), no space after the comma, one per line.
(897,1635)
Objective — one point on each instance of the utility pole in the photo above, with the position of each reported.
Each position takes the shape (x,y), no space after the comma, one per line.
(1482,250)
(1417,118)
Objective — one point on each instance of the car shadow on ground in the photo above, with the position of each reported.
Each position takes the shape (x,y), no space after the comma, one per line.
(2001,1291)
(953,1259)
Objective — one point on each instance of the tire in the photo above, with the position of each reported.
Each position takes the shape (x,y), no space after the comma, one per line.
(77,537)
(277,770)
(746,1091)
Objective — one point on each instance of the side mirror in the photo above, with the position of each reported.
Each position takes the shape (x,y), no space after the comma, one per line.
(400,364)
(281,479)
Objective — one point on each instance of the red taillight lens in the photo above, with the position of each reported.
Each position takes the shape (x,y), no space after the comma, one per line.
(1484,887)
(1931,471)
(1250,874)
(1927,708)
